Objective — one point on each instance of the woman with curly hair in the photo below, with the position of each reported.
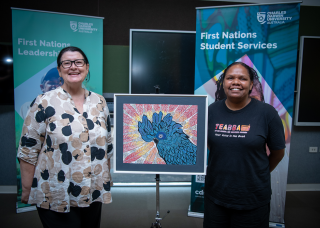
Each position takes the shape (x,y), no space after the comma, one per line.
(256,91)
(238,188)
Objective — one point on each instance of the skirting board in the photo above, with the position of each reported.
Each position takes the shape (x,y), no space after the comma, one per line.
(12,189)
(8,189)
(303,187)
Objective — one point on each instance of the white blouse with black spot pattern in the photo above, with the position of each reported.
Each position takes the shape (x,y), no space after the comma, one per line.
(70,150)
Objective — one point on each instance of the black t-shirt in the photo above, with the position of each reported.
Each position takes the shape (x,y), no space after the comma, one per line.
(238,173)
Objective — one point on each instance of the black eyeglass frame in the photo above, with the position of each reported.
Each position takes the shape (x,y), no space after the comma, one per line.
(74,62)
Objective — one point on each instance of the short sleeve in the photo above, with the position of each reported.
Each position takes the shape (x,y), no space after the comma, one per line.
(276,137)
(33,132)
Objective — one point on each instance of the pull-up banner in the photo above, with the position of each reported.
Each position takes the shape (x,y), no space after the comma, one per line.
(37,38)
(265,37)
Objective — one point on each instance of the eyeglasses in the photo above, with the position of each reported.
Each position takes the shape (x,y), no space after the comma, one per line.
(68,63)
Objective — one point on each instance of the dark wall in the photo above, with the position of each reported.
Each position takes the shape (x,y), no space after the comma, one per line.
(304,166)
(119,16)
(7,145)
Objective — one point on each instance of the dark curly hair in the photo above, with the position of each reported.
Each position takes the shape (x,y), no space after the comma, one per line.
(220,95)
(73,49)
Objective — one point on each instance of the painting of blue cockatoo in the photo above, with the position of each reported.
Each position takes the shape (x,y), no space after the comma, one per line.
(173,145)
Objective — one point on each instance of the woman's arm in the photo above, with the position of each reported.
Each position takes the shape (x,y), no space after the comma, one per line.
(27,172)
(274,158)
(32,137)
(275,140)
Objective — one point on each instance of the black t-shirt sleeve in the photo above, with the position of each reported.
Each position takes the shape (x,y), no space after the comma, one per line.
(276,138)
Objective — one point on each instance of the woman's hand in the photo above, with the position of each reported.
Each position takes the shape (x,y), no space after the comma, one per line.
(25,196)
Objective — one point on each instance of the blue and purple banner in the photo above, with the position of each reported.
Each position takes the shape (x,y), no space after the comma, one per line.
(264,37)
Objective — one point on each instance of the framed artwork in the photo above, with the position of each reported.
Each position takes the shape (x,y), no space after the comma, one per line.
(160,134)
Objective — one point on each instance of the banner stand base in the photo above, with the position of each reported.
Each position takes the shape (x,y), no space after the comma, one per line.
(26,209)
(194,214)
(273,224)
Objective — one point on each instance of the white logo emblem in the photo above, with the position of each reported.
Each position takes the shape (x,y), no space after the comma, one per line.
(83,27)
(73,25)
(261,16)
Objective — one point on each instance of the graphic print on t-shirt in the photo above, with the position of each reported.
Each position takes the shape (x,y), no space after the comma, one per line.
(231,130)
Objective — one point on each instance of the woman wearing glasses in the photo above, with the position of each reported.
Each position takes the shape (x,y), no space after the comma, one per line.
(65,149)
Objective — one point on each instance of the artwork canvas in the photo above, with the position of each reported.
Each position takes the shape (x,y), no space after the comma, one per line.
(160,133)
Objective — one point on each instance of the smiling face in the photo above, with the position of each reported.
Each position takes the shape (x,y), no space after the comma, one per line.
(74,75)
(237,83)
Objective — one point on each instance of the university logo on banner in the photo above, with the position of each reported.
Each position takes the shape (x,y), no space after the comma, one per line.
(261,16)
(273,17)
(73,25)
(83,27)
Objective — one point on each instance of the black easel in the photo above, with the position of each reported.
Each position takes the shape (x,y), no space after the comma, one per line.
(158,219)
